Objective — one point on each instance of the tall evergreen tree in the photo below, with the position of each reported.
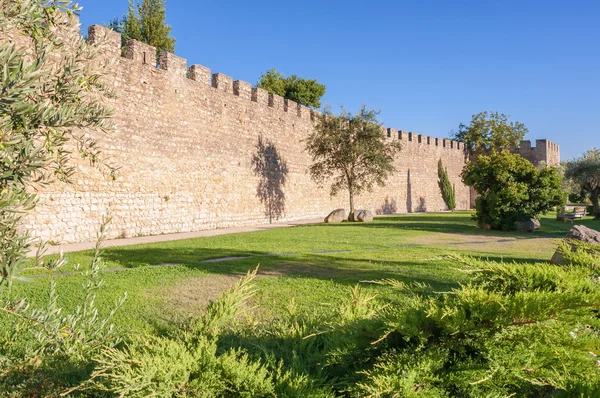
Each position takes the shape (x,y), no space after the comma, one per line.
(146,22)
(446,187)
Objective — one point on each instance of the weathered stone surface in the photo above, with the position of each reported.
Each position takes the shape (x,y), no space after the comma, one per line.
(185,154)
(529,225)
(338,215)
(364,216)
(580,233)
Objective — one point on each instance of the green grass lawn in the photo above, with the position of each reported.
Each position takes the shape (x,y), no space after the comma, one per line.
(316,266)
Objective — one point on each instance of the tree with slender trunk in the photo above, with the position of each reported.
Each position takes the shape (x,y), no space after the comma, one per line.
(351,150)
(585,171)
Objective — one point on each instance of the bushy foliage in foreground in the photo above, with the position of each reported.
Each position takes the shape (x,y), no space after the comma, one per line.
(512,330)
(520,330)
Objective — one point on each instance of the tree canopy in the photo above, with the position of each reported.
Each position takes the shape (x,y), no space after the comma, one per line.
(306,92)
(146,22)
(585,172)
(490,133)
(352,150)
(511,189)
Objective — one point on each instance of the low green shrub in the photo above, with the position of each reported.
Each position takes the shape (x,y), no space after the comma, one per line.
(514,330)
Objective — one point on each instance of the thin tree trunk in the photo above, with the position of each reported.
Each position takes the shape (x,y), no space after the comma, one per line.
(594,198)
(351,215)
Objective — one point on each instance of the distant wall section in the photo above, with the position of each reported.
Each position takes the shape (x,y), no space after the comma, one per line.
(545,152)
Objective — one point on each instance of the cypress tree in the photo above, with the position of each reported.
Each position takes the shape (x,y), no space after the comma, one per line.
(446,187)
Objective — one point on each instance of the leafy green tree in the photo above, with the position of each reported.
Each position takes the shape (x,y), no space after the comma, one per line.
(146,22)
(489,134)
(353,151)
(49,95)
(585,172)
(304,91)
(46,98)
(446,187)
(511,189)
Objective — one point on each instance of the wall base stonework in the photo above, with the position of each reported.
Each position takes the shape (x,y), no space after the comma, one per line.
(188,147)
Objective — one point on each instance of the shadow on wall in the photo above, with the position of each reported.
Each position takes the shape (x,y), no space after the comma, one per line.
(422,205)
(388,207)
(272,171)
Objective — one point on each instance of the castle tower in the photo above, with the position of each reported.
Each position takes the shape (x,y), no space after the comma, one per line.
(545,152)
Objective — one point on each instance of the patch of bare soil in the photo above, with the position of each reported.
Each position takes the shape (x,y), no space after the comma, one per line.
(501,244)
(456,238)
(191,296)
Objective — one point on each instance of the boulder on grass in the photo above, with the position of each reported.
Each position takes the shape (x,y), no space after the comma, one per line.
(364,216)
(580,233)
(338,215)
(529,225)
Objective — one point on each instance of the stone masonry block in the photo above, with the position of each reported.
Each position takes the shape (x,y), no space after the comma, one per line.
(393,133)
(304,112)
(222,82)
(141,52)
(275,101)
(315,115)
(525,144)
(242,89)
(108,38)
(260,96)
(173,64)
(290,106)
(200,74)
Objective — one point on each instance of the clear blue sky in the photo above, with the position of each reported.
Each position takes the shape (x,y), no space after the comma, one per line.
(427,65)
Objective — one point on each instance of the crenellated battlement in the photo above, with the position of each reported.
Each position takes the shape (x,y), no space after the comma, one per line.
(187,142)
(176,66)
(545,152)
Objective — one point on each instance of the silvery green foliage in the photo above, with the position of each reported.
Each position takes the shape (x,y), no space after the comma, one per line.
(48,96)
(584,172)
(51,94)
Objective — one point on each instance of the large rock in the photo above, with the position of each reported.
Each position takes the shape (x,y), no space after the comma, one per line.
(580,233)
(529,225)
(364,216)
(338,215)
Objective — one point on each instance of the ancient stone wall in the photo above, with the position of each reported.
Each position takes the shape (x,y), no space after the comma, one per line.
(544,152)
(199,151)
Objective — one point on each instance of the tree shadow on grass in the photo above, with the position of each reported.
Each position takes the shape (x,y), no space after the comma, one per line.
(463,224)
(345,270)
